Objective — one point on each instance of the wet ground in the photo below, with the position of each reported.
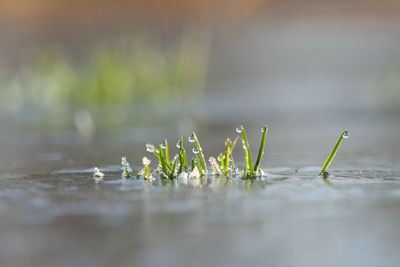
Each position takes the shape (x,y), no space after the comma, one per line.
(53,212)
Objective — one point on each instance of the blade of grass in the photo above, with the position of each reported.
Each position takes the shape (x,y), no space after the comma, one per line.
(173,170)
(167,153)
(329,160)
(199,166)
(192,165)
(221,161)
(156,154)
(148,171)
(201,155)
(247,149)
(246,161)
(233,144)
(227,154)
(262,145)
(182,157)
(164,166)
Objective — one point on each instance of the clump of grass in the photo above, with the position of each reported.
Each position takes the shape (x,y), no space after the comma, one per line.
(251,170)
(146,169)
(227,164)
(178,168)
(329,160)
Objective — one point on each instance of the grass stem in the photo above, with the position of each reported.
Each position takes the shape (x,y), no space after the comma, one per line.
(329,160)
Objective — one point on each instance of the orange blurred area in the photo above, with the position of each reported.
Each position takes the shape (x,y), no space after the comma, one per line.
(50,14)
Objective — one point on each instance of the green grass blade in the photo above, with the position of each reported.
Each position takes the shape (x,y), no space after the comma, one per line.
(233,164)
(227,155)
(262,145)
(192,165)
(201,155)
(246,161)
(147,169)
(167,153)
(173,170)
(156,154)
(182,157)
(221,161)
(233,144)
(199,166)
(329,160)
(164,166)
(247,149)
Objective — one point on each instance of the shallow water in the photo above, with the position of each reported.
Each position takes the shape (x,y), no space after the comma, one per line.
(54,213)
(289,218)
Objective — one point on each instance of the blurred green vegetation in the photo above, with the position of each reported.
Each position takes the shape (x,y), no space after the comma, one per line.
(385,90)
(127,73)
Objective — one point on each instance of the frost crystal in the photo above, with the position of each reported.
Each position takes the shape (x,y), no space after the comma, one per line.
(150,147)
(146,161)
(126,169)
(183,177)
(97,173)
(261,172)
(214,164)
(195,173)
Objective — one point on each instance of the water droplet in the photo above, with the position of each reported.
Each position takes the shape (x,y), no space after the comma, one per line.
(263,129)
(164,145)
(150,148)
(239,129)
(219,158)
(178,145)
(195,150)
(346,134)
(191,138)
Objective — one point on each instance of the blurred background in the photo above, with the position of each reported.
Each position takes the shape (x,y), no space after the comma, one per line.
(83,83)
(110,76)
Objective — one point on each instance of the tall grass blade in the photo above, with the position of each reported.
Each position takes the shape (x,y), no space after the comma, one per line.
(199,166)
(262,145)
(167,153)
(329,160)
(247,149)
(164,165)
(173,170)
(227,156)
(182,157)
(201,155)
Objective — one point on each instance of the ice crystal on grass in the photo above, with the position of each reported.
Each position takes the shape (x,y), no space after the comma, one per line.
(126,168)
(97,173)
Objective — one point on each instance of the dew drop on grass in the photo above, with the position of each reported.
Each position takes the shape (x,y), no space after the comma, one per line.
(164,145)
(195,150)
(178,145)
(239,129)
(219,158)
(346,134)
(191,138)
(263,129)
